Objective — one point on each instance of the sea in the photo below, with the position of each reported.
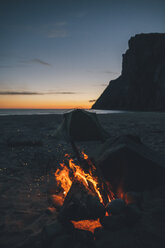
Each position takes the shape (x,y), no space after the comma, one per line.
(51,111)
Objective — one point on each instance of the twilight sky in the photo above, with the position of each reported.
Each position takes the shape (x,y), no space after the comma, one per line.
(63,53)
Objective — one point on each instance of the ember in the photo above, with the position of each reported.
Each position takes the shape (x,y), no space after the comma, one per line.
(88,225)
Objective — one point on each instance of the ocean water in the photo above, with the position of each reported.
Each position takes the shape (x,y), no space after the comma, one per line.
(50,111)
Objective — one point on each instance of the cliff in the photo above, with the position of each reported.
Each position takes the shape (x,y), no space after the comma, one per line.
(141,85)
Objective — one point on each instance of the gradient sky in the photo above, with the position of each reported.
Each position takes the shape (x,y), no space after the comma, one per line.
(62,54)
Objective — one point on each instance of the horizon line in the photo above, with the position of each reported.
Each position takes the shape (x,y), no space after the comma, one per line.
(46,108)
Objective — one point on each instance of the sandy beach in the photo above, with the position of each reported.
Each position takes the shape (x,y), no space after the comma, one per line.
(29,152)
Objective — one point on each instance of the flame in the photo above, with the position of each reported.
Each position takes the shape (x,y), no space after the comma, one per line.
(64,179)
(84,155)
(110,194)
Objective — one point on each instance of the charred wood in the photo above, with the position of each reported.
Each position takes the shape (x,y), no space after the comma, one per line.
(80,203)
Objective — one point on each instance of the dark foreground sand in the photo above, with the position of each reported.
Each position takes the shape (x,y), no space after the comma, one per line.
(28,152)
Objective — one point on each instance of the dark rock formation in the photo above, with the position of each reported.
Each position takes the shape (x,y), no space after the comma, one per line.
(141,85)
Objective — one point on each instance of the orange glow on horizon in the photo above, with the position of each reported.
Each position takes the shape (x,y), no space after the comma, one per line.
(14,102)
(55,107)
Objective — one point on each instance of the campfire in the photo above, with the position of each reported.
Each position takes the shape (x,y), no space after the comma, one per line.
(82,193)
(65,176)
(86,203)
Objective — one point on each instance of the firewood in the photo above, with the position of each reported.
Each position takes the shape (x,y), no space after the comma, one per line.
(89,164)
(80,203)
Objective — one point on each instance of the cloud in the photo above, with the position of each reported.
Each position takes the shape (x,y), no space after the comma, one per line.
(109,72)
(62,93)
(20,93)
(92,100)
(21,62)
(37,93)
(39,61)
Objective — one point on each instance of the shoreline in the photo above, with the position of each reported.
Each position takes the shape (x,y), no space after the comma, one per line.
(112,112)
(8,112)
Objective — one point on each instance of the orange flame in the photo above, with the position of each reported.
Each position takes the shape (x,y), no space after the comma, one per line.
(84,155)
(64,180)
(110,194)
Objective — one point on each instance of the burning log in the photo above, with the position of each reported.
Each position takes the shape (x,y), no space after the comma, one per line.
(91,179)
(88,165)
(83,161)
(81,204)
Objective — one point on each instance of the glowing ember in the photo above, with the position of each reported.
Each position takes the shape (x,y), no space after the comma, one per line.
(88,225)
